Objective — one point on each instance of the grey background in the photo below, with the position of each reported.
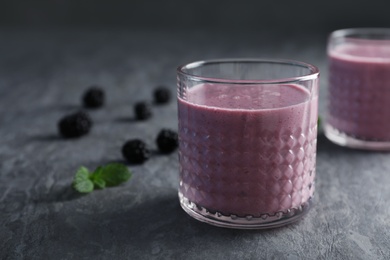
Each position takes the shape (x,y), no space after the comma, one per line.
(48,59)
(281,15)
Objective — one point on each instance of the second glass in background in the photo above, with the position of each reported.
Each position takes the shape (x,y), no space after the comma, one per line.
(359,88)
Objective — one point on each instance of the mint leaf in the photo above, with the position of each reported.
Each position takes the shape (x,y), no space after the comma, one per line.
(109,175)
(84,186)
(81,181)
(100,183)
(96,179)
(82,174)
(319,121)
(112,174)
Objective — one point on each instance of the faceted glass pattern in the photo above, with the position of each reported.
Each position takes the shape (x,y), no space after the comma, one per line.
(234,183)
(358,102)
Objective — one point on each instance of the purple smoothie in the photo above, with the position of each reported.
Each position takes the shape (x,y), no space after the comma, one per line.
(247,150)
(359,89)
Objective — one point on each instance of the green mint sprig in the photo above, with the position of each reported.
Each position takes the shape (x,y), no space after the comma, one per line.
(109,175)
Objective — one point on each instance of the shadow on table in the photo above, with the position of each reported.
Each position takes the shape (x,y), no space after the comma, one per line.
(158,220)
(154,227)
(57,194)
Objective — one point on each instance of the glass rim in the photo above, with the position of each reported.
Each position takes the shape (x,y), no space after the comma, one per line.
(314,71)
(353,32)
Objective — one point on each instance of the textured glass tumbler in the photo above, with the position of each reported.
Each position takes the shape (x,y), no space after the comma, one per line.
(247,141)
(359,88)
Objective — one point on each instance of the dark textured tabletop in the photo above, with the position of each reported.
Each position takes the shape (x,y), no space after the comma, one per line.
(43,74)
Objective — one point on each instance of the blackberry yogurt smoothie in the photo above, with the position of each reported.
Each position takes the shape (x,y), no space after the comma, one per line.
(247,152)
(359,88)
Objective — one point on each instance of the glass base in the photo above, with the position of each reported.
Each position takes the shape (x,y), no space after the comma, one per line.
(343,139)
(265,221)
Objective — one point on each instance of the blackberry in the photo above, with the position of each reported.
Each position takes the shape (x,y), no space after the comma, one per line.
(93,97)
(142,110)
(75,125)
(161,95)
(135,151)
(167,141)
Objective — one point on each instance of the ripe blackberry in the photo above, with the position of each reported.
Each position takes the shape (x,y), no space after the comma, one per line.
(135,151)
(167,141)
(142,110)
(161,95)
(93,97)
(75,125)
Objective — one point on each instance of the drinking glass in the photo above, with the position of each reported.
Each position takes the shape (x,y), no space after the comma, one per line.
(247,141)
(359,88)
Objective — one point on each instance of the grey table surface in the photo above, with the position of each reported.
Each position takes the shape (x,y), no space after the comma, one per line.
(43,74)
